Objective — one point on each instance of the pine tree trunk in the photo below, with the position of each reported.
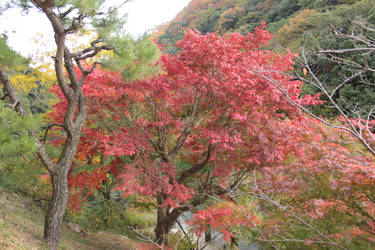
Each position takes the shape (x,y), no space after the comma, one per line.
(54,216)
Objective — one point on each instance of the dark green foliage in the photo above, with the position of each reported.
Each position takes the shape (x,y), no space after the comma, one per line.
(208,21)
(357,94)
(245,16)
(113,214)
(282,10)
(142,51)
(15,141)
(174,32)
(19,167)
(38,100)
(274,12)
(102,214)
(8,57)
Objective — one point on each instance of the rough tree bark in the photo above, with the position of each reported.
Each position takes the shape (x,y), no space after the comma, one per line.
(72,125)
(53,220)
(73,120)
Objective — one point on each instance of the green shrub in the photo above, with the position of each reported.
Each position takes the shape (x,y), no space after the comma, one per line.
(102,214)
(141,219)
(178,241)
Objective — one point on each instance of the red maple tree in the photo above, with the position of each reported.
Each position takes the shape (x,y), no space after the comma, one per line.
(203,121)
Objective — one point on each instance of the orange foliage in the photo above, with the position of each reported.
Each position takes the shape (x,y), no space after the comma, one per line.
(296,26)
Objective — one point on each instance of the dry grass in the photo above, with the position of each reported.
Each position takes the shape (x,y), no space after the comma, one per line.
(21,227)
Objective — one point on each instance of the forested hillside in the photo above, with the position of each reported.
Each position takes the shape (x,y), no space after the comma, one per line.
(295,24)
(289,20)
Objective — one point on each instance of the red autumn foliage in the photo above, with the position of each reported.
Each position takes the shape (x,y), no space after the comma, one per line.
(332,179)
(222,218)
(204,120)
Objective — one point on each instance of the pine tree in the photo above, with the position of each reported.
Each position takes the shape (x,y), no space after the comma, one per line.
(69,17)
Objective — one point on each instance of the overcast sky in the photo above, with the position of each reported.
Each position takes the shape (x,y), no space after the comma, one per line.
(143,15)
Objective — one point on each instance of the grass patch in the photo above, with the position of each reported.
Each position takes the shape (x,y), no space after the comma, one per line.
(141,219)
(22,222)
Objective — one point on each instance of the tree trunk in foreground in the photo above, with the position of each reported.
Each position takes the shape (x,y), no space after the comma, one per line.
(163,227)
(165,221)
(55,214)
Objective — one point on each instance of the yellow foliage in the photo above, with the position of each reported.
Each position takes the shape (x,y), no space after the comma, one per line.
(289,33)
(43,73)
(40,76)
(96,159)
(23,83)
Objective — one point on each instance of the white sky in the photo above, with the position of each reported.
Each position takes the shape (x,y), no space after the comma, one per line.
(143,15)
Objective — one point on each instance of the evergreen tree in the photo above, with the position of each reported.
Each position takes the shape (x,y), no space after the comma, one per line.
(69,17)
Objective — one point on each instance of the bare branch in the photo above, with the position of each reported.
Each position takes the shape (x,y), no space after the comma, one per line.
(264,196)
(344,82)
(363,26)
(266,74)
(190,123)
(343,51)
(146,237)
(246,216)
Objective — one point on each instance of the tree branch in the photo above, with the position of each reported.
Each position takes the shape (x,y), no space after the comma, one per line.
(48,128)
(76,23)
(190,123)
(89,52)
(64,14)
(351,129)
(189,172)
(11,92)
(342,51)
